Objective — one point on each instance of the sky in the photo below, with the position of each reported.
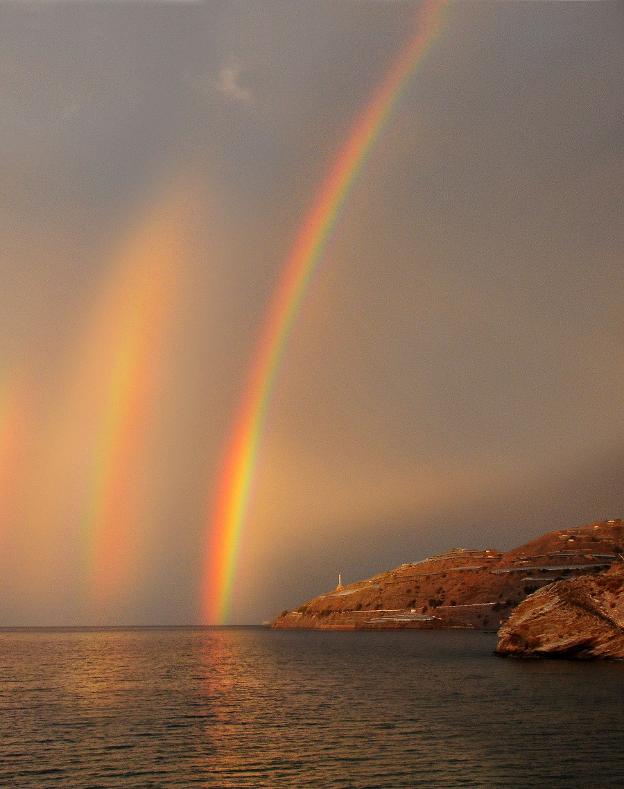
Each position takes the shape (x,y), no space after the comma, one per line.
(453,374)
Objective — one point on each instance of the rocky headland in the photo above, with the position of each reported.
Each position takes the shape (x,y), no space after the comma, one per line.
(467,588)
(577,618)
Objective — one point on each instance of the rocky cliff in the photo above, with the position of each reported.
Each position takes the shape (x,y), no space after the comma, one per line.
(462,588)
(581,618)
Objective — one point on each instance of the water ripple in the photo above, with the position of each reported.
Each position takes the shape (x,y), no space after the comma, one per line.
(251,707)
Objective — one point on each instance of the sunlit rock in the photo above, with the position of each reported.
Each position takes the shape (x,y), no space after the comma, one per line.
(580,618)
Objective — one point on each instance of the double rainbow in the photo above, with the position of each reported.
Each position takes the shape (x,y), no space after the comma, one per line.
(228,516)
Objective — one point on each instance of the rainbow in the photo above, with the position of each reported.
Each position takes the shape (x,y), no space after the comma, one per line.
(11,432)
(126,340)
(228,514)
(8,419)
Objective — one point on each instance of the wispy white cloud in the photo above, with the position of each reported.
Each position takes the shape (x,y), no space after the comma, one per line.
(228,82)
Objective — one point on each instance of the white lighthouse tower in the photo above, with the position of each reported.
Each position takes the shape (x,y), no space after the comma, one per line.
(339,581)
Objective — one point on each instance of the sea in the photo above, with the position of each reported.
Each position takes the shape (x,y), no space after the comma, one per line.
(252,707)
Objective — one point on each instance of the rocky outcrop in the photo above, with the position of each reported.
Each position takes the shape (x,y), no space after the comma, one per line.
(464,588)
(578,618)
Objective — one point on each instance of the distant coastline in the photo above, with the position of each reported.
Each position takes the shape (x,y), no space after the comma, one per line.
(476,589)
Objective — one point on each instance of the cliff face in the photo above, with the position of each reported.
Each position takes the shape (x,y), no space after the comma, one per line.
(462,588)
(580,618)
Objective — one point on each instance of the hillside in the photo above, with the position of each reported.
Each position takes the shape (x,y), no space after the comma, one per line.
(464,588)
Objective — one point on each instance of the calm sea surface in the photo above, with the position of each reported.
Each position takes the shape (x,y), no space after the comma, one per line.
(251,707)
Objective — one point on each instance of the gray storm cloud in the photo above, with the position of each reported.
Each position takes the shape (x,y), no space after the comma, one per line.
(228,82)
